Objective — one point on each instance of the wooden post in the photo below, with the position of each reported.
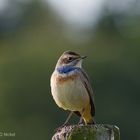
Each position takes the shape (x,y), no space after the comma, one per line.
(88,132)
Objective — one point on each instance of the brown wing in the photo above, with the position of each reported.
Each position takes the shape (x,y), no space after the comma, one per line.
(86,82)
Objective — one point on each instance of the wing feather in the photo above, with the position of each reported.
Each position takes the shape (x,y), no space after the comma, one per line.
(85,79)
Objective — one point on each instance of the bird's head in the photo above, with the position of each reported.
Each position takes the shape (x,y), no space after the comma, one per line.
(70,59)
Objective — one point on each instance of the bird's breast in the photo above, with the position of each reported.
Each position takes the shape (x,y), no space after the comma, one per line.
(69,92)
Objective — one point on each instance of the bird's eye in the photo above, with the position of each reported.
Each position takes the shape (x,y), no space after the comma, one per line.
(70,58)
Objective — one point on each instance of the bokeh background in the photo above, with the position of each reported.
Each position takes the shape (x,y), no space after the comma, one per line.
(34,33)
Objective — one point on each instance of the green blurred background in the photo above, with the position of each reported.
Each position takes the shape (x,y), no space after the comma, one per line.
(33,36)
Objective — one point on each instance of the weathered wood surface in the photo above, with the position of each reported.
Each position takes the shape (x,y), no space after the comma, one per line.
(88,132)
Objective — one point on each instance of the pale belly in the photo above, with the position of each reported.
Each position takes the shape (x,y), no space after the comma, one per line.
(70,95)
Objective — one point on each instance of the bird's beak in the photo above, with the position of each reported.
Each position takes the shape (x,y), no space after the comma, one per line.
(83,57)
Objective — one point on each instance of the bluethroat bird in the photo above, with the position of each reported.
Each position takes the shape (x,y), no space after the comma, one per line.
(71,88)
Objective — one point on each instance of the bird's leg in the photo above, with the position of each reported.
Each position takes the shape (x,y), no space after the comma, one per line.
(68,118)
(81,121)
(65,123)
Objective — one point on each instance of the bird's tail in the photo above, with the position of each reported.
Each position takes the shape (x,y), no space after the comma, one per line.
(87,115)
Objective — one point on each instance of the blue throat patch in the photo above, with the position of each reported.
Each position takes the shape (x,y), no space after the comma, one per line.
(65,69)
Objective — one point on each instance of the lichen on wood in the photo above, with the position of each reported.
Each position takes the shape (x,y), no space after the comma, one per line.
(88,132)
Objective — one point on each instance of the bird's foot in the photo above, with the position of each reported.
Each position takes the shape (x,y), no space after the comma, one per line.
(60,128)
(81,122)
